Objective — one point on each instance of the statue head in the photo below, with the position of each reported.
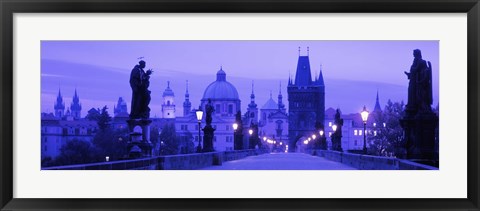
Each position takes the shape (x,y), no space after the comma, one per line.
(141,63)
(417,54)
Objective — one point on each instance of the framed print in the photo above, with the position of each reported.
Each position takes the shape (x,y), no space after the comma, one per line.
(288,105)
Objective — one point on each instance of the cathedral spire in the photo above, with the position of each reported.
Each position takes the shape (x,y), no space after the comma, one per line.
(76,107)
(377,105)
(59,105)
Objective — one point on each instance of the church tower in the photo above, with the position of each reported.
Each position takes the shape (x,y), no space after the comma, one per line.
(306,100)
(59,106)
(168,106)
(252,110)
(187,105)
(76,107)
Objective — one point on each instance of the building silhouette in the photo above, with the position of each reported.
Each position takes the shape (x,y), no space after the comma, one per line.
(306,98)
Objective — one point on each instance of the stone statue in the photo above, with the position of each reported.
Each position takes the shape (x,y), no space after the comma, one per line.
(420,84)
(209,110)
(337,135)
(139,82)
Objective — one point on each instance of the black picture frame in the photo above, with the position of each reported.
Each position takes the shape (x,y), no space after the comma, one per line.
(10,7)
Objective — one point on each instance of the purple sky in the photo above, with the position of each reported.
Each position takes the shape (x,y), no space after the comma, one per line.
(353,70)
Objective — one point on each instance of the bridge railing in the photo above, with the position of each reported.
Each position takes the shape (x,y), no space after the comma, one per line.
(369,162)
(167,162)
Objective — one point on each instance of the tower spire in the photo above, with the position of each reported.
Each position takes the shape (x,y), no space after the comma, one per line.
(377,105)
(252,104)
(298,50)
(280,97)
(252,87)
(187,105)
(308,51)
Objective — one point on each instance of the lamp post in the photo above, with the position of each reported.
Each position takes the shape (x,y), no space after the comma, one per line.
(252,142)
(199,113)
(364,118)
(235,137)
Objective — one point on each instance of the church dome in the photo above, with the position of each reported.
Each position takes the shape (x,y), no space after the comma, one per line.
(221,89)
(270,104)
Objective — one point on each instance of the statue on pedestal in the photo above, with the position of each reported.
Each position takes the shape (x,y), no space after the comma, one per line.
(208,129)
(139,122)
(337,135)
(420,122)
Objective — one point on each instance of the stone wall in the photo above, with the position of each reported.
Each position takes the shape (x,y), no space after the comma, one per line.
(368,162)
(168,162)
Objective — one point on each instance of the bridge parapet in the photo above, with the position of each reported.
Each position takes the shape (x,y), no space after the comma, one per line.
(167,162)
(368,162)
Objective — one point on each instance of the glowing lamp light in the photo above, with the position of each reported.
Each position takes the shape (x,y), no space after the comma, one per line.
(250,131)
(264,138)
(321,133)
(107,158)
(314,136)
(334,127)
(235,126)
(364,114)
(199,114)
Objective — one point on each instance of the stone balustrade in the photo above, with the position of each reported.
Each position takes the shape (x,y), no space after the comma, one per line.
(167,162)
(368,162)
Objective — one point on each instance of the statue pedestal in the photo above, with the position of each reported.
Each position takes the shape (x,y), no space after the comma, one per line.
(208,138)
(420,137)
(337,142)
(139,144)
(238,141)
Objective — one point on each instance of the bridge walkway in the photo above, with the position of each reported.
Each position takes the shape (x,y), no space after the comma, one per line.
(281,161)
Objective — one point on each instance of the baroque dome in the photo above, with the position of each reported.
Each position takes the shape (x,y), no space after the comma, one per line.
(221,89)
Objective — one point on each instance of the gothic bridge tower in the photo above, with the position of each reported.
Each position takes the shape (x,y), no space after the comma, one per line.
(306,100)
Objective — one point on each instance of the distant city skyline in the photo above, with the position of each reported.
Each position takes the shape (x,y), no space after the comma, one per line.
(353,70)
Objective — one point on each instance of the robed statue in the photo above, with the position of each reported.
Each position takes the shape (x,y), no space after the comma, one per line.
(420,84)
(209,110)
(139,82)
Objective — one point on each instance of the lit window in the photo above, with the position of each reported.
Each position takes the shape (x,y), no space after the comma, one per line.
(355,132)
(375,133)
(359,132)
(329,124)
(329,133)
(374,124)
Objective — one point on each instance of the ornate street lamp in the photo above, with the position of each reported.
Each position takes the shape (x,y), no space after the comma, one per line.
(334,127)
(199,113)
(235,126)
(321,132)
(250,131)
(364,118)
